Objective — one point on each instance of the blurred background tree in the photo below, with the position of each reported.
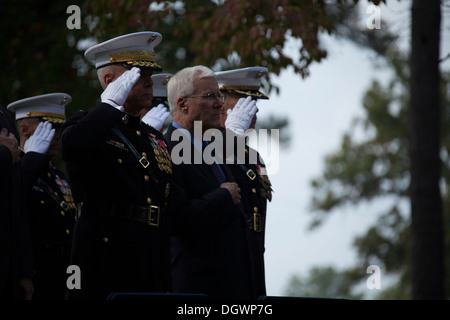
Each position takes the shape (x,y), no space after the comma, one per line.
(378,166)
(41,54)
(322,282)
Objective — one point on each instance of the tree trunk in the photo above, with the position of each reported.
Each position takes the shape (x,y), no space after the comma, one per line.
(426,202)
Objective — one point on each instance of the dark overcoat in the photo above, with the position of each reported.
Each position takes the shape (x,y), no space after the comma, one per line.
(209,251)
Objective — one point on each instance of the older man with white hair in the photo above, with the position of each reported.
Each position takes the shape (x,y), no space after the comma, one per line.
(209,245)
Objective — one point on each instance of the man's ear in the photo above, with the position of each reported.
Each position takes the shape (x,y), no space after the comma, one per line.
(108,77)
(24,130)
(181,104)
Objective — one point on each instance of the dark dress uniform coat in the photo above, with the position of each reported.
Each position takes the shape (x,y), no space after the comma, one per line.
(255,192)
(52,215)
(9,212)
(15,244)
(120,239)
(209,252)
(6,244)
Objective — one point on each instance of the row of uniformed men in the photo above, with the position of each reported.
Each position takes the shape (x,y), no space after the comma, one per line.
(106,216)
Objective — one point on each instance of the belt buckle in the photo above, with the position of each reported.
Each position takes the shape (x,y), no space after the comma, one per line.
(251,174)
(257,222)
(144,162)
(153,216)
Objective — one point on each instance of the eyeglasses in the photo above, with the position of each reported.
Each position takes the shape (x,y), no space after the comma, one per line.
(210,95)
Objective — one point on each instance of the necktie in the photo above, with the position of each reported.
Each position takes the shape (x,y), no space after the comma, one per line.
(218,172)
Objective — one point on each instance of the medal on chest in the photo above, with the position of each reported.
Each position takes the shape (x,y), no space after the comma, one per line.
(66,191)
(162,155)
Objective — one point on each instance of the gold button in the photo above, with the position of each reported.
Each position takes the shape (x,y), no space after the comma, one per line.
(254,190)
(146,178)
(67,231)
(42,202)
(149,201)
(138,132)
(63,213)
(125,119)
(119,161)
(144,154)
(49,174)
(105,239)
(255,209)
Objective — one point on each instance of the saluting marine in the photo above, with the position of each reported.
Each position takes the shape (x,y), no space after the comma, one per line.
(120,172)
(251,177)
(160,81)
(51,209)
(156,114)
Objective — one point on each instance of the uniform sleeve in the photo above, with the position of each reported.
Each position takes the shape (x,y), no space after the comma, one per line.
(32,165)
(84,130)
(5,161)
(21,226)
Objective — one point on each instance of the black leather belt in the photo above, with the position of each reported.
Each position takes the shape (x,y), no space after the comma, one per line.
(149,215)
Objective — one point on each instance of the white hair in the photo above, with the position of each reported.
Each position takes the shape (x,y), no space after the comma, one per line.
(182,83)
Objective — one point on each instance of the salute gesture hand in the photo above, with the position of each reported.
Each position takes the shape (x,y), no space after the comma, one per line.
(116,93)
(40,140)
(240,117)
(156,116)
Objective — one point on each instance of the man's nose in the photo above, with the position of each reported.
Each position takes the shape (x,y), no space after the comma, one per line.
(218,104)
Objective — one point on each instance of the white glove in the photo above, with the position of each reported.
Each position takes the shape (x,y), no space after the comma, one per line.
(240,117)
(40,140)
(156,116)
(116,93)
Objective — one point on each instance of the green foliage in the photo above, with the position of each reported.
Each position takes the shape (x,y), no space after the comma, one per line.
(276,122)
(386,243)
(232,33)
(376,166)
(39,53)
(322,282)
(42,55)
